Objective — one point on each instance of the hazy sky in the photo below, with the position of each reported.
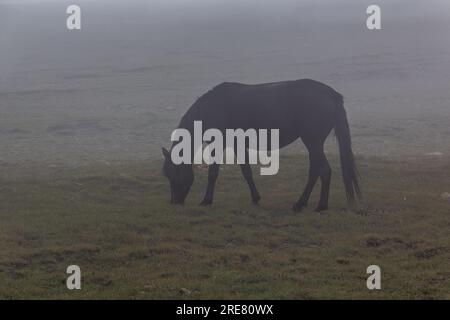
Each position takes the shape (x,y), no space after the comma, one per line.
(26,23)
(33,34)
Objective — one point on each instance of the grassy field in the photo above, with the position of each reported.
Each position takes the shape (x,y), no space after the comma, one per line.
(117,225)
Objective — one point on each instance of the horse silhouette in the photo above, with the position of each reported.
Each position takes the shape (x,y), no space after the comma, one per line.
(305,109)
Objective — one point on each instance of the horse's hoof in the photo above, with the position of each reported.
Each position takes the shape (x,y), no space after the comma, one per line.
(205,203)
(255,200)
(297,207)
(321,208)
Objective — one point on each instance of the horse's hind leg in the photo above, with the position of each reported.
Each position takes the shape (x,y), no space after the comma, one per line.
(318,167)
(213,173)
(248,175)
(325,179)
(313,175)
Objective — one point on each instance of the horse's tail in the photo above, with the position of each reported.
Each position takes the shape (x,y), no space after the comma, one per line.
(349,171)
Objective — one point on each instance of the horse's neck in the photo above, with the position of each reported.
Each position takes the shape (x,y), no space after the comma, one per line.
(188,125)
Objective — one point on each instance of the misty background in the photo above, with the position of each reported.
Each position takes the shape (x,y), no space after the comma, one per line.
(114,91)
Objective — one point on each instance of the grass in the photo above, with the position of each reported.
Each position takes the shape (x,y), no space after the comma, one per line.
(117,225)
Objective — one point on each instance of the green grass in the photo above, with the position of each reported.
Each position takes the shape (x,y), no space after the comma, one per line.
(117,225)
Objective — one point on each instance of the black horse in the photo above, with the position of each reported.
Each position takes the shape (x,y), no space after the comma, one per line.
(301,108)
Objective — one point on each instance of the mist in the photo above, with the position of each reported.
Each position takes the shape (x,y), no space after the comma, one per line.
(115,89)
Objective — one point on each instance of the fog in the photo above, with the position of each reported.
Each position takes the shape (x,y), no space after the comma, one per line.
(115,89)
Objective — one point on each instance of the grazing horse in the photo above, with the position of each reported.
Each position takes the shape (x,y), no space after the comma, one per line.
(304,109)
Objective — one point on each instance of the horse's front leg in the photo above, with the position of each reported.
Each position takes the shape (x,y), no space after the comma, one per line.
(213,173)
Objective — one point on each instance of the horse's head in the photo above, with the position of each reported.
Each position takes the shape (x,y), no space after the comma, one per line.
(181,177)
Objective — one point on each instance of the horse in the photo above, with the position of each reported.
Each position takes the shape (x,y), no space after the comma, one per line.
(305,109)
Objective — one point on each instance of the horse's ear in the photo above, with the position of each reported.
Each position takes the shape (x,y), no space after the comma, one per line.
(166,153)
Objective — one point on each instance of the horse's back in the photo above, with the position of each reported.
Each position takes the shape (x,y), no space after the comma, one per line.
(291,106)
(292,94)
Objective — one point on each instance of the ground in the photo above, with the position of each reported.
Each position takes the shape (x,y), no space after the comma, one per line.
(116,223)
